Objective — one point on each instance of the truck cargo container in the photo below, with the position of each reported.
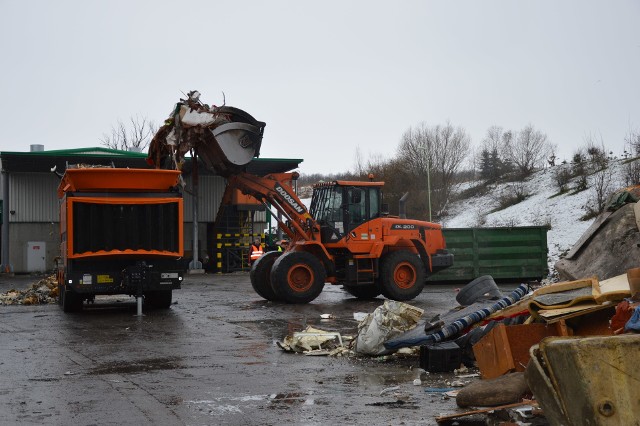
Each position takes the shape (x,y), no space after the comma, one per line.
(120,233)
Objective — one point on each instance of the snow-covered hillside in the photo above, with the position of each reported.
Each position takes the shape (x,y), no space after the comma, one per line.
(541,207)
(561,212)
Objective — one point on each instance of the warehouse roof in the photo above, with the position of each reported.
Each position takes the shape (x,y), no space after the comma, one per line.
(44,161)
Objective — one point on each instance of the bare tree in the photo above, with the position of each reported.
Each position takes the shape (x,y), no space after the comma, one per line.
(137,134)
(631,168)
(632,141)
(433,155)
(601,187)
(493,139)
(527,149)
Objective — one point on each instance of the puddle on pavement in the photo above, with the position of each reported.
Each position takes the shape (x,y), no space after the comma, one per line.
(141,366)
(288,400)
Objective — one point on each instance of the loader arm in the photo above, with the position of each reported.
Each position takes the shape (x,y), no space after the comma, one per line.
(273,190)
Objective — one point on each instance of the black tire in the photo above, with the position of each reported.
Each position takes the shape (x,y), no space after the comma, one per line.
(477,288)
(160,299)
(297,277)
(402,275)
(369,291)
(261,275)
(71,301)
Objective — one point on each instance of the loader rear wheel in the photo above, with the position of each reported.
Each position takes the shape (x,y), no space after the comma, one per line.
(401,275)
(297,277)
(71,301)
(369,291)
(261,275)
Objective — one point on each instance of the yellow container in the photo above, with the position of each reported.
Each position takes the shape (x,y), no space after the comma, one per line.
(591,381)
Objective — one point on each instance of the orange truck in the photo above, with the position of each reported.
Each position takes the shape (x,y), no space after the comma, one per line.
(120,233)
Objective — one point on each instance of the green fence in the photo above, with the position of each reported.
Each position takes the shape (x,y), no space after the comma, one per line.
(515,253)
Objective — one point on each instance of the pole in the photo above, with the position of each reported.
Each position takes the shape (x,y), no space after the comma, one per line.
(195,264)
(429,186)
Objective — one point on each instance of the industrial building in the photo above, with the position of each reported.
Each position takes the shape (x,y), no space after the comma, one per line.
(30,207)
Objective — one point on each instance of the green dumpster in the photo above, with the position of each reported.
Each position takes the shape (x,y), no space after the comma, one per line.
(505,253)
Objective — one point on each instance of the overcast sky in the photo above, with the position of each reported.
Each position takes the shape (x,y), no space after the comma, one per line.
(327,77)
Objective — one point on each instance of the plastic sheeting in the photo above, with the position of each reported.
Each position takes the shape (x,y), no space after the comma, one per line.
(386,322)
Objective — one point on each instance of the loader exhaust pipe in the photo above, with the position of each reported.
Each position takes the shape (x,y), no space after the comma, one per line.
(402,206)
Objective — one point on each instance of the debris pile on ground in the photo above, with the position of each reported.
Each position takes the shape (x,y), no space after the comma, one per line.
(387,321)
(313,341)
(527,343)
(40,293)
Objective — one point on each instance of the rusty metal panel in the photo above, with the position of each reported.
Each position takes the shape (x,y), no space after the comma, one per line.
(33,197)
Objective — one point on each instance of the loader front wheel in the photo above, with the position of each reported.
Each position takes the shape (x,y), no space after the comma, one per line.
(261,275)
(297,277)
(401,275)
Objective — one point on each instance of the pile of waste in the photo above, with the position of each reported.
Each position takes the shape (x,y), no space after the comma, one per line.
(224,137)
(42,292)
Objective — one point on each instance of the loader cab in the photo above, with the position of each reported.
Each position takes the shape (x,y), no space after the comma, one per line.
(341,206)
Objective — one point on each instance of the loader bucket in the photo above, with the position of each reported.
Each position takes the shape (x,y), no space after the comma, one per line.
(232,147)
(225,138)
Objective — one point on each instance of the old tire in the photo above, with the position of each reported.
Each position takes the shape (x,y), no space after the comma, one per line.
(261,275)
(297,277)
(477,288)
(402,275)
(369,291)
(160,299)
(71,301)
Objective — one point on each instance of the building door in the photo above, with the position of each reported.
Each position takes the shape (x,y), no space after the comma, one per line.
(36,252)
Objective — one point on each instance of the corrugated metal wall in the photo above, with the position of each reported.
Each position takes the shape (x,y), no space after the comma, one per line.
(210,192)
(33,197)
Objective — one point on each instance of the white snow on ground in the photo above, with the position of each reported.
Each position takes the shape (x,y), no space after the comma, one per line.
(561,212)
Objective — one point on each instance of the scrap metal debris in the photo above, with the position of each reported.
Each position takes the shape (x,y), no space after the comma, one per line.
(42,292)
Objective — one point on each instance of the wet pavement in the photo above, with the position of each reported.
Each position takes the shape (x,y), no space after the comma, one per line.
(209,360)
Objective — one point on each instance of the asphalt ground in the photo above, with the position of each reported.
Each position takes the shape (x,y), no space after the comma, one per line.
(210,359)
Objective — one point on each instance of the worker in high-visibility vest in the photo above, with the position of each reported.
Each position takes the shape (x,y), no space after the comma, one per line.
(255,251)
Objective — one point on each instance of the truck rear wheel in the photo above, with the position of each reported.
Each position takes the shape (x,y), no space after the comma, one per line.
(369,291)
(401,275)
(71,301)
(261,275)
(160,299)
(297,277)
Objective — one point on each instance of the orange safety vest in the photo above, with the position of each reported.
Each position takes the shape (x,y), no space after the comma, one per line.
(255,252)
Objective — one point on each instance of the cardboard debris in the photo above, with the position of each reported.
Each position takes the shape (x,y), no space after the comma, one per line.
(43,292)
